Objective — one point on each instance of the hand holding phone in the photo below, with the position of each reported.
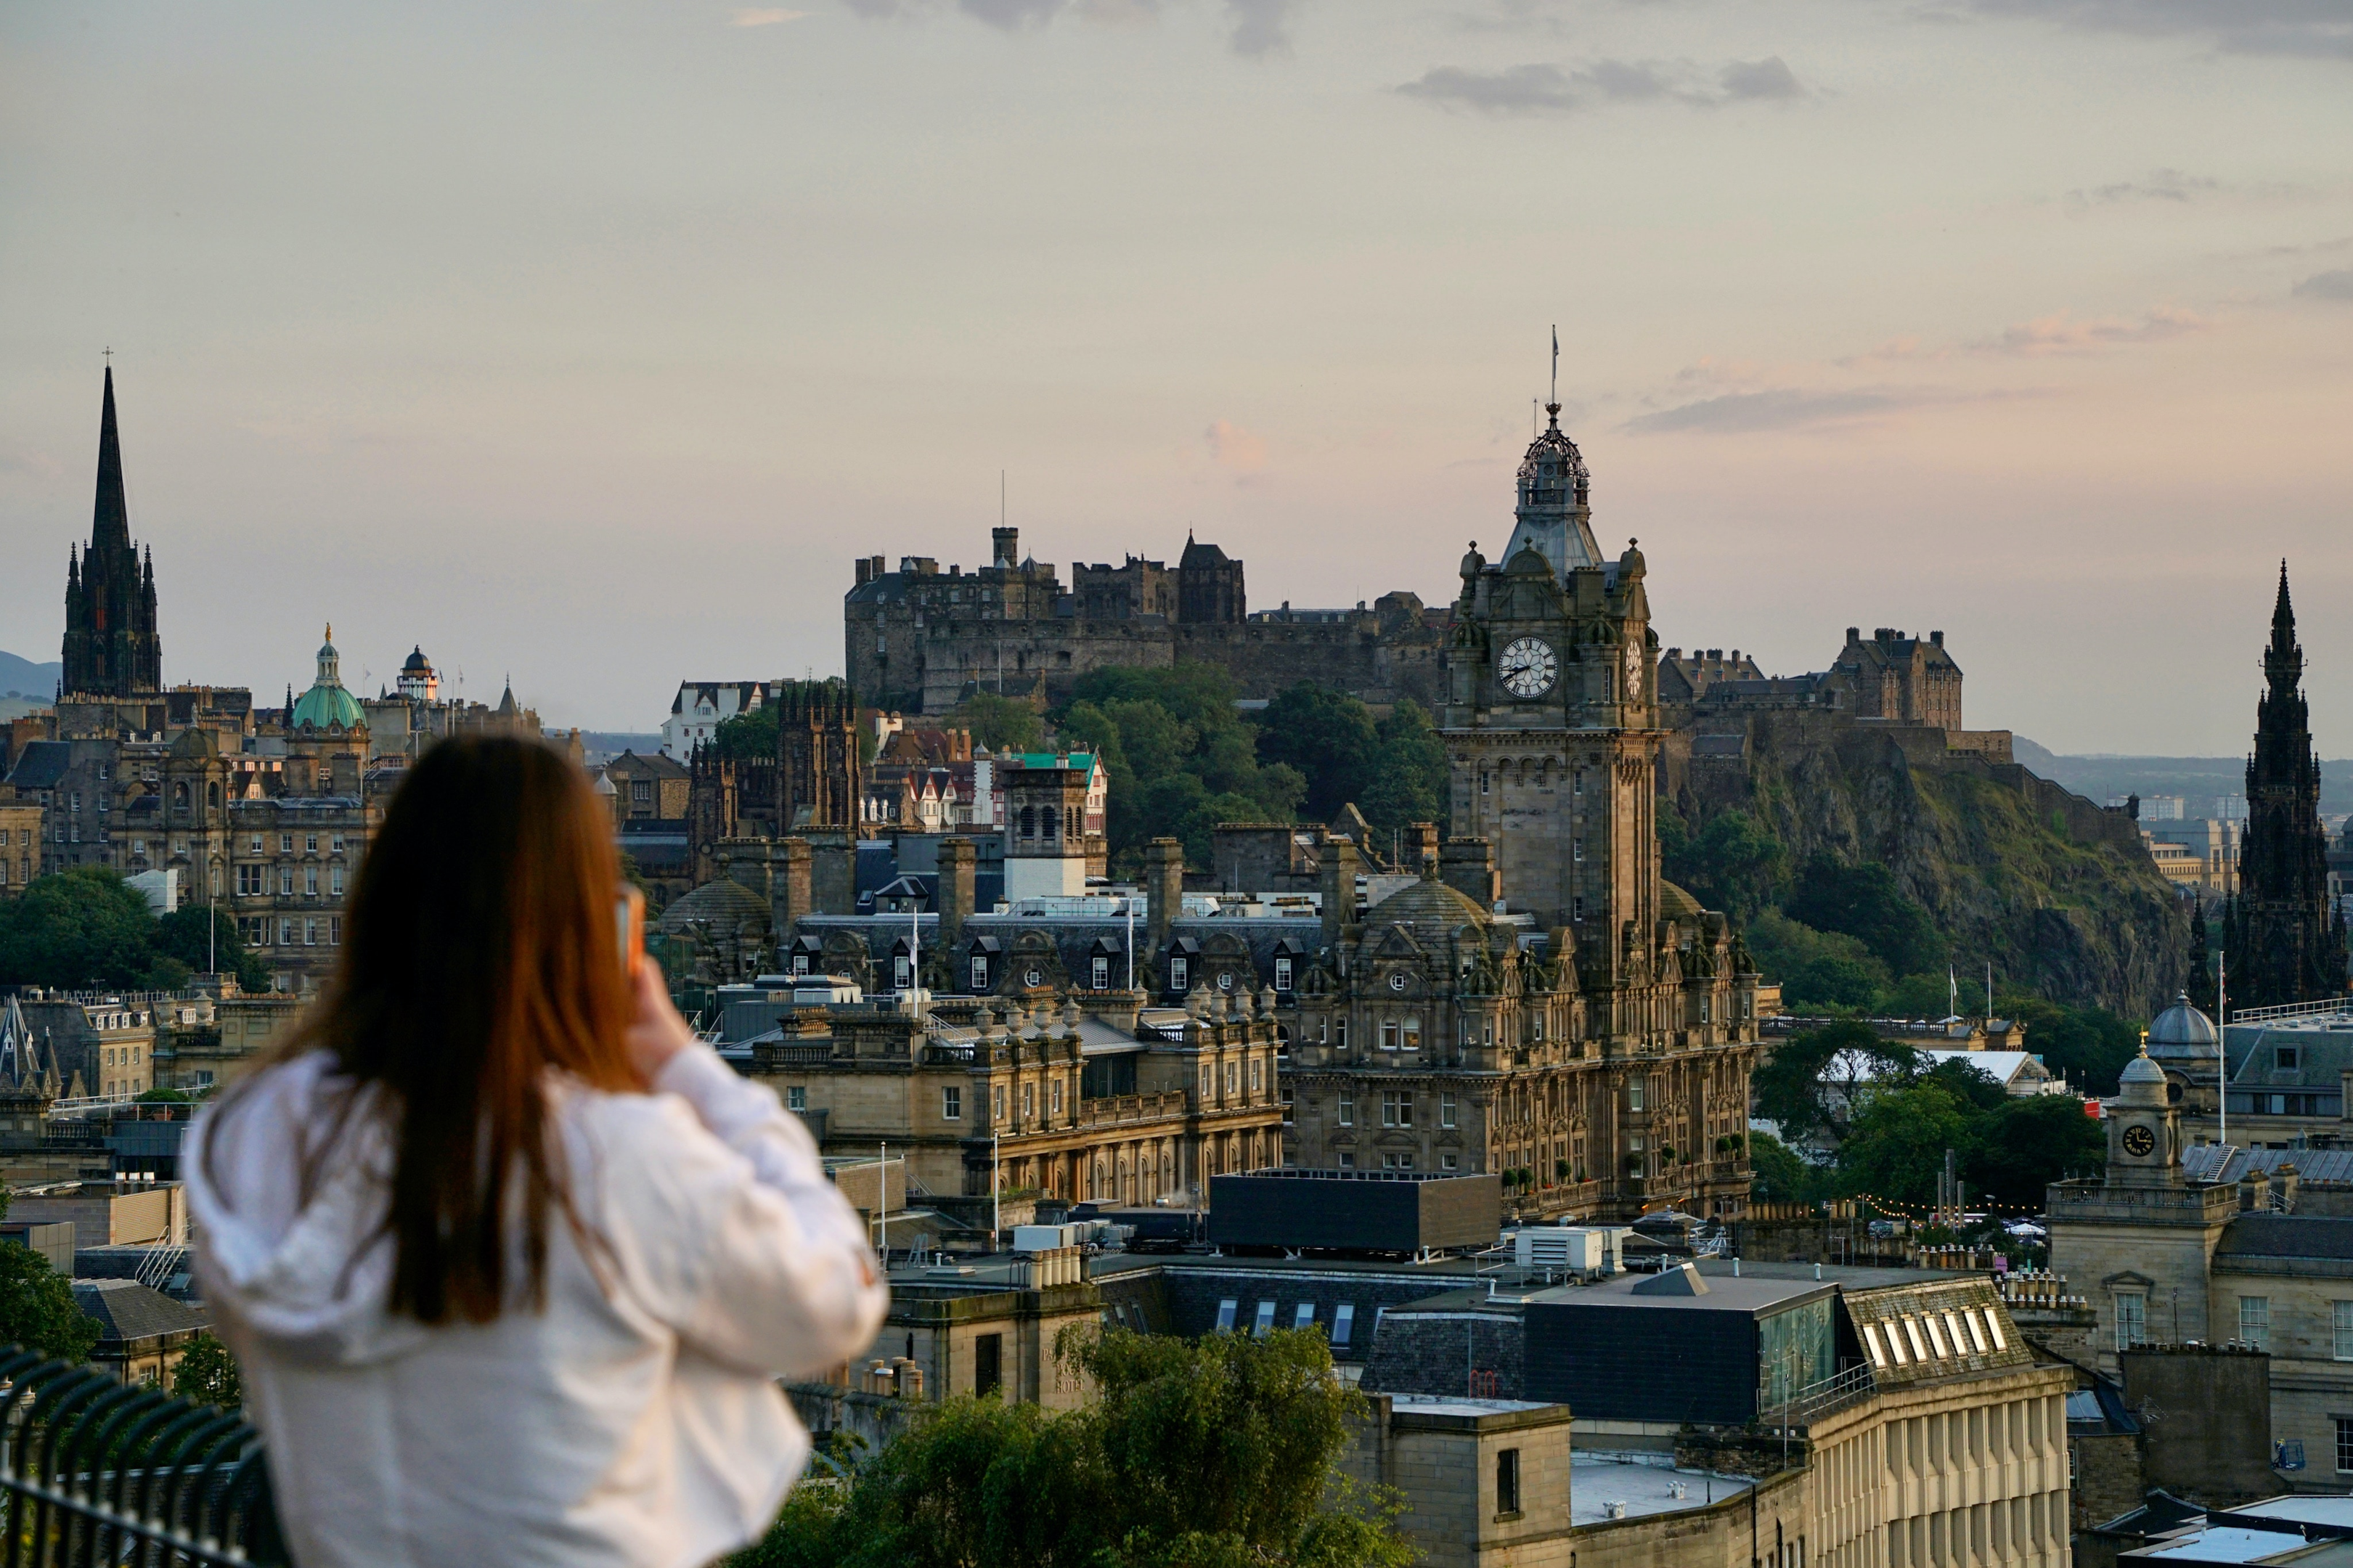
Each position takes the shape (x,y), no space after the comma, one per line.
(630,918)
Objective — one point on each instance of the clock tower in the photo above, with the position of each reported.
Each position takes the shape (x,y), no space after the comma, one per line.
(1551,720)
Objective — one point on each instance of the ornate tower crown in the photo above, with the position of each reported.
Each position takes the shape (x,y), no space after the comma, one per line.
(1554,509)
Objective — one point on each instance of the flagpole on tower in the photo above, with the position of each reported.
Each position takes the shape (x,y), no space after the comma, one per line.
(1555,365)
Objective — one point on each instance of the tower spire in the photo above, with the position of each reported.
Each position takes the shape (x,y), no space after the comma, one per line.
(2283,660)
(112,524)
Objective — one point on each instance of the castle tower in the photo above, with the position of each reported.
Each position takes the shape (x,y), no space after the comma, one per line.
(2283,942)
(111,647)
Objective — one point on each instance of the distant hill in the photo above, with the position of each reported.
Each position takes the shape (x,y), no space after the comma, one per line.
(2198,780)
(23,677)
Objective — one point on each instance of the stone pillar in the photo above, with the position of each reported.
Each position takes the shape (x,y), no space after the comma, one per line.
(1468,866)
(746,863)
(1339,888)
(1163,893)
(833,880)
(957,858)
(788,887)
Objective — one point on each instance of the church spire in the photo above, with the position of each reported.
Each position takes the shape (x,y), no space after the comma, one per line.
(112,525)
(2283,660)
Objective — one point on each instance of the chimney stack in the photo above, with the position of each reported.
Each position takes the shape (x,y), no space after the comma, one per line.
(1163,893)
(957,858)
(1339,888)
(1468,866)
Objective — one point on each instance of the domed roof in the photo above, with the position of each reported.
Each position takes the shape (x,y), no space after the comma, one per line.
(2182,1031)
(1674,904)
(327,705)
(2140,1069)
(725,903)
(196,744)
(1553,465)
(1429,905)
(416,663)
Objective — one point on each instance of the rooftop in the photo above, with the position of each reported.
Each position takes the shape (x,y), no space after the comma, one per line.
(1596,1482)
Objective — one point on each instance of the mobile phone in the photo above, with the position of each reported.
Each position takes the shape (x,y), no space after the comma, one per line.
(630,920)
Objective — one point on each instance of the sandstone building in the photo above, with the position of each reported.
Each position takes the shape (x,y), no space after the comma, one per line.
(920,640)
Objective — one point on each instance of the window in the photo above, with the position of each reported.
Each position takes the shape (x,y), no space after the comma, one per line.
(800,964)
(997,1104)
(335,931)
(309,934)
(1304,1315)
(2342,1313)
(1264,1324)
(256,844)
(285,933)
(796,1098)
(1446,1111)
(1919,1345)
(2255,1320)
(1258,1077)
(1634,1094)
(1179,972)
(1205,1085)
(1226,1315)
(286,843)
(336,843)
(1935,1335)
(1233,1080)
(1993,1329)
(952,1103)
(336,880)
(1282,974)
(979,971)
(2132,1319)
(1508,1483)
(1347,1161)
(1343,1321)
(1976,1328)
(2344,1446)
(1396,1108)
(310,880)
(1347,1110)
(311,844)
(2285,1057)
(902,973)
(987,1364)
(1953,1329)
(1102,973)
(1871,1343)
(1446,1162)
(1388,1033)
(252,881)
(1057,1096)
(1413,1034)
(1028,1101)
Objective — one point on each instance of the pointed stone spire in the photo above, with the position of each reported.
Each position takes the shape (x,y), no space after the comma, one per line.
(112,524)
(2283,660)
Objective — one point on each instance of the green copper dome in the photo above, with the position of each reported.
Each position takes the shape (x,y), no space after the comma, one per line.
(327,705)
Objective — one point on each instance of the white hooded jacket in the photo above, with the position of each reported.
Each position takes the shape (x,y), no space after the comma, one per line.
(635,1421)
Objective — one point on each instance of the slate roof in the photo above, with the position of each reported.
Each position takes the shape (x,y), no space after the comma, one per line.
(41,765)
(2227,1163)
(127,1310)
(2287,1235)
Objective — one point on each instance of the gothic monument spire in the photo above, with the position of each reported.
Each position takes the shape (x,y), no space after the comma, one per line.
(2284,942)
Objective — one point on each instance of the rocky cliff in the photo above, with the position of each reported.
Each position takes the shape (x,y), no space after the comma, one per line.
(2055,890)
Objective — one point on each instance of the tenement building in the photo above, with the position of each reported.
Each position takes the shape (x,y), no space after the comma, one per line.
(2284,942)
(920,640)
(1594,1043)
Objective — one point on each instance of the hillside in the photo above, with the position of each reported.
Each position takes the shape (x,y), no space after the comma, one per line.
(2010,868)
(23,677)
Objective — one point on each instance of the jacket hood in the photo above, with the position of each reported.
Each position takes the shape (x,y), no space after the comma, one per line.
(313,1277)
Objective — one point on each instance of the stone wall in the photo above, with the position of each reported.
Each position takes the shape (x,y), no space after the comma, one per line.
(1445,1462)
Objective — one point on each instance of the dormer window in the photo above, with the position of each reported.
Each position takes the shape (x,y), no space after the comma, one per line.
(2285,1058)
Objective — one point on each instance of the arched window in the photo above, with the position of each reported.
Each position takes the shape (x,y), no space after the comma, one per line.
(212,795)
(1029,822)
(1046,823)
(180,794)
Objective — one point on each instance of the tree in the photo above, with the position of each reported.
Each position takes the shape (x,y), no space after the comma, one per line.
(1895,1145)
(1778,1175)
(84,927)
(1819,971)
(1867,903)
(1733,863)
(207,1375)
(1213,1453)
(1329,736)
(180,936)
(1815,1081)
(37,1310)
(747,735)
(2027,1144)
(1409,770)
(1179,757)
(2088,1047)
(1000,723)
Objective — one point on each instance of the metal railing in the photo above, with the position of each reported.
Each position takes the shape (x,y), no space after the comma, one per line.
(1818,1399)
(93,1471)
(2290,1010)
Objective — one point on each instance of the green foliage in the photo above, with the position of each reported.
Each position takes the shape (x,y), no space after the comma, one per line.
(1896,1144)
(2027,1144)
(1216,1453)
(2088,1047)
(81,928)
(1409,781)
(1733,863)
(1777,1173)
(1179,758)
(88,929)
(747,735)
(180,937)
(1000,723)
(1392,769)
(1812,1083)
(207,1375)
(1865,902)
(162,1097)
(37,1309)
(1819,971)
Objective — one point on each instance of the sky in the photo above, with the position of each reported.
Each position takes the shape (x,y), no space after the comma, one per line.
(588,343)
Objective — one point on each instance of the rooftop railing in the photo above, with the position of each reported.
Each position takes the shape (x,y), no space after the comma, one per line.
(93,1471)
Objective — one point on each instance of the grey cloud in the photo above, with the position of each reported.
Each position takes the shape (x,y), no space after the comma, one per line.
(2338,285)
(1012,15)
(1781,408)
(2316,29)
(1262,27)
(1542,89)
(2162,186)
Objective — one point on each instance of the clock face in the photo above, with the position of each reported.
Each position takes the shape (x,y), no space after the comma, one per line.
(1527,666)
(2139,1141)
